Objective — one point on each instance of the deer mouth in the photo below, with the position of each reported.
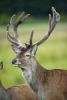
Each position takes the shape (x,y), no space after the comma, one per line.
(19,66)
(22,67)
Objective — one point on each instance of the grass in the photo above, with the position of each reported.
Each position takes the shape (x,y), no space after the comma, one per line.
(52,54)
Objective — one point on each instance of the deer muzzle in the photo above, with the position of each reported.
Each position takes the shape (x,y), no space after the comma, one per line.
(15,62)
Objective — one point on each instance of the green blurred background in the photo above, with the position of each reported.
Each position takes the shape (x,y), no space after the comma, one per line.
(52,54)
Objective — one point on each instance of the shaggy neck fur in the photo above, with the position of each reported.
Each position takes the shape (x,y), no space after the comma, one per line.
(34,78)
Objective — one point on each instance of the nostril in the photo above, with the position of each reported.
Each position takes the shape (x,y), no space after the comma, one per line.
(14,61)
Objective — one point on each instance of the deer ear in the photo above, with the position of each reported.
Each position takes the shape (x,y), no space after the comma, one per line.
(34,49)
(16,49)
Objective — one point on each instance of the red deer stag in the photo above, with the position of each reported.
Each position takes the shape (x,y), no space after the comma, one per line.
(19,92)
(48,84)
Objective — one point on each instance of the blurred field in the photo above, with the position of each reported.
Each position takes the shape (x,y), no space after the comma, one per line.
(52,54)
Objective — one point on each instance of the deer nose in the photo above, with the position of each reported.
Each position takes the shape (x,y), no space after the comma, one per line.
(14,61)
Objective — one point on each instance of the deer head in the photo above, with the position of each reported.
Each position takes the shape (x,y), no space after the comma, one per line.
(26,55)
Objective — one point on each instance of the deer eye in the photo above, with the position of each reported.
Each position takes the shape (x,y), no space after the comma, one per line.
(27,54)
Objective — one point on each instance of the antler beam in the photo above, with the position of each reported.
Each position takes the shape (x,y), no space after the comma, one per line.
(52,23)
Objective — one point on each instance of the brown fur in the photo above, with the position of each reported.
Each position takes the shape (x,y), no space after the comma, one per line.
(21,92)
(54,83)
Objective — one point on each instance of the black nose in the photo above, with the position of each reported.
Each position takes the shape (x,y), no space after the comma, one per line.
(14,61)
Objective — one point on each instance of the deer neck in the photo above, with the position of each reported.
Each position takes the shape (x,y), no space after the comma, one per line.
(35,75)
(30,74)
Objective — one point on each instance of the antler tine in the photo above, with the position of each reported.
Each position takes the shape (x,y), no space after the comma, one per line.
(31,37)
(29,44)
(52,23)
(19,20)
